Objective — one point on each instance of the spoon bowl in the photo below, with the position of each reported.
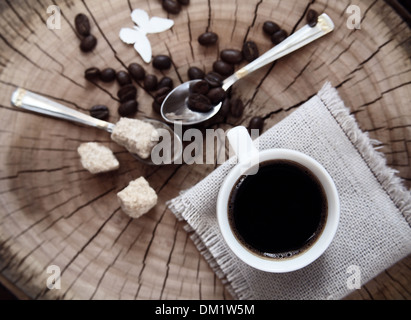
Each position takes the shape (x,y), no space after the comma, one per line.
(174,108)
(177,110)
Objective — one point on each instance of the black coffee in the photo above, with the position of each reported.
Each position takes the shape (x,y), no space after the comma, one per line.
(278,212)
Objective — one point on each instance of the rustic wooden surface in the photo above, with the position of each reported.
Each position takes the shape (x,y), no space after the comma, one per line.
(54,212)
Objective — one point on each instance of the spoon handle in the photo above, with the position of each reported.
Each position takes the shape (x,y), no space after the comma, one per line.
(297,40)
(27,100)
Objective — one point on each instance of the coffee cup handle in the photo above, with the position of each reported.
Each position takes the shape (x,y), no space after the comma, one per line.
(242,145)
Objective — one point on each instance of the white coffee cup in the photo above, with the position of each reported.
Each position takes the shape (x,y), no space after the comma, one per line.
(248,159)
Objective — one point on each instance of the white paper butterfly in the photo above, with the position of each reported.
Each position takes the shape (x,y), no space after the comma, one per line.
(138,35)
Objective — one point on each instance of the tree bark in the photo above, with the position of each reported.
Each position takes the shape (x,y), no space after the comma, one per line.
(55,213)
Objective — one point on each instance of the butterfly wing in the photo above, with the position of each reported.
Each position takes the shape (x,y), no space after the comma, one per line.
(140,17)
(129,36)
(156,25)
(143,47)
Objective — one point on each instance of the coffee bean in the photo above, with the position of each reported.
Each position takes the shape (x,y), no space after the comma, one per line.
(156,106)
(216,95)
(231,56)
(108,75)
(184,2)
(123,78)
(128,108)
(127,92)
(225,107)
(150,82)
(136,71)
(250,51)
(279,36)
(161,94)
(100,112)
(171,6)
(256,123)
(214,79)
(82,24)
(92,74)
(200,103)
(165,82)
(223,68)
(312,18)
(270,27)
(88,43)
(200,87)
(208,38)
(195,73)
(162,62)
(237,108)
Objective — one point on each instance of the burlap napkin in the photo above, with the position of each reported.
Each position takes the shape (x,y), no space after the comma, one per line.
(374,230)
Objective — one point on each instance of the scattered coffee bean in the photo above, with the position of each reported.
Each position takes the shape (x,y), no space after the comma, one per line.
(250,51)
(256,123)
(162,62)
(231,56)
(161,94)
(156,106)
(312,18)
(100,112)
(92,74)
(279,36)
(237,108)
(150,82)
(216,95)
(108,75)
(88,43)
(225,107)
(200,87)
(82,24)
(165,82)
(171,6)
(128,108)
(200,103)
(270,27)
(208,38)
(127,92)
(184,2)
(195,73)
(223,68)
(123,78)
(136,71)
(214,79)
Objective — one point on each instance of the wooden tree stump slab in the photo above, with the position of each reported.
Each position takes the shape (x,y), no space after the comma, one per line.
(56,213)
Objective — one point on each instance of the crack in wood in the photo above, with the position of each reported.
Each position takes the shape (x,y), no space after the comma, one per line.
(253,21)
(168,261)
(18,51)
(77,278)
(33,171)
(190,35)
(19,17)
(104,273)
(297,76)
(302,16)
(384,93)
(90,240)
(103,35)
(209,16)
(147,251)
